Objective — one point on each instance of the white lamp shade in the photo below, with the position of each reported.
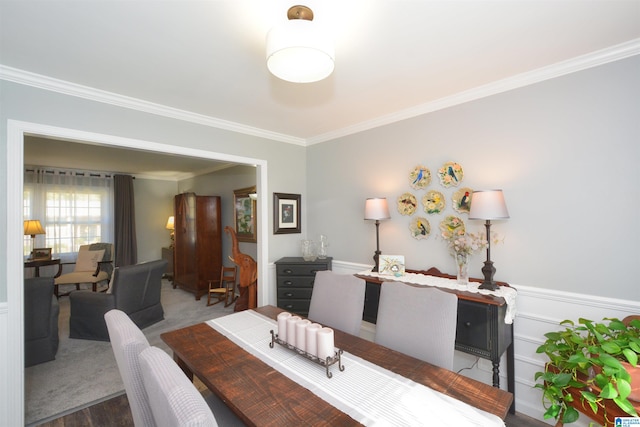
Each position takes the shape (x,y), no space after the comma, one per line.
(488,204)
(376,208)
(299,51)
(170,223)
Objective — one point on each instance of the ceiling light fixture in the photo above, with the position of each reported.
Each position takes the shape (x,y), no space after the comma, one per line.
(298,50)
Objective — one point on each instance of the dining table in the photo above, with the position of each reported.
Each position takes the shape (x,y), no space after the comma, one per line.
(261,394)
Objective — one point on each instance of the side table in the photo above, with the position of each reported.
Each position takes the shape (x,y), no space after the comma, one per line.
(37,263)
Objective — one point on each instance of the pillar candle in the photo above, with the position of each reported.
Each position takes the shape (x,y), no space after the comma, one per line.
(301,327)
(291,330)
(312,338)
(325,343)
(282,325)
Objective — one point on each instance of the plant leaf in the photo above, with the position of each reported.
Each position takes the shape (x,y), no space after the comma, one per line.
(632,356)
(611,347)
(626,406)
(570,415)
(624,388)
(608,392)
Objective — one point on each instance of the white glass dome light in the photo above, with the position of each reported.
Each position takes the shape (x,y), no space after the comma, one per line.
(298,50)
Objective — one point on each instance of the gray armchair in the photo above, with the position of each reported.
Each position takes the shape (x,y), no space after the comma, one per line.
(135,290)
(41,311)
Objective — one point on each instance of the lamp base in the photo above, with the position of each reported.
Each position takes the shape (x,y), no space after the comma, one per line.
(488,271)
(376,259)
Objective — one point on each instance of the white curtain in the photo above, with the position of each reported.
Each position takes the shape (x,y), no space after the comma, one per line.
(74,207)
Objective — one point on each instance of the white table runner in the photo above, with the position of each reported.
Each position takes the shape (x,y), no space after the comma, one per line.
(509,294)
(371,395)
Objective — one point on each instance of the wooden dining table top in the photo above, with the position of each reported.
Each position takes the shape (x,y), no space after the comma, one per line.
(262,396)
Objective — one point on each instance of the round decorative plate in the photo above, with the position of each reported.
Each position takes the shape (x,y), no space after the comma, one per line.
(419,177)
(451,174)
(462,200)
(433,202)
(407,204)
(420,228)
(452,226)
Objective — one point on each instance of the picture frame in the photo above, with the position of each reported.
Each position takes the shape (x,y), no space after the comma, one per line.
(286,213)
(244,214)
(391,265)
(41,254)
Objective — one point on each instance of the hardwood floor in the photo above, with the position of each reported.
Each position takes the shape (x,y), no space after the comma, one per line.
(116,413)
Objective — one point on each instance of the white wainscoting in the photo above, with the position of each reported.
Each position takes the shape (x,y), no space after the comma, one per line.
(4,364)
(539,311)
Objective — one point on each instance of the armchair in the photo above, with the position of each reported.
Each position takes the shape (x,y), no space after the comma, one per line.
(135,290)
(93,265)
(41,311)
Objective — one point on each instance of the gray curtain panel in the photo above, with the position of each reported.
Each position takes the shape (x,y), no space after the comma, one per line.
(126,247)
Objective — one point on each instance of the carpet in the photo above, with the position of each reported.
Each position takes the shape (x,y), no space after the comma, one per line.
(85,372)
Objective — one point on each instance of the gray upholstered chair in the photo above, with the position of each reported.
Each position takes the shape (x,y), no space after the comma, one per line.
(41,311)
(419,321)
(135,289)
(337,301)
(93,265)
(128,341)
(174,400)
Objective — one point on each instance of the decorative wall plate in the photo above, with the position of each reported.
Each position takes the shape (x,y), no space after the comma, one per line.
(451,174)
(407,204)
(452,226)
(420,228)
(419,177)
(433,202)
(462,200)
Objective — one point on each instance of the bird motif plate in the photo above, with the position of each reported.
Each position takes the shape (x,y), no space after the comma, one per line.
(419,177)
(433,202)
(451,174)
(462,200)
(452,226)
(407,204)
(420,228)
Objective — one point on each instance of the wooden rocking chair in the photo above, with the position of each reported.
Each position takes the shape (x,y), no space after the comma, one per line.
(224,289)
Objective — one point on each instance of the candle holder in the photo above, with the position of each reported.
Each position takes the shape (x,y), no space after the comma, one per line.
(330,360)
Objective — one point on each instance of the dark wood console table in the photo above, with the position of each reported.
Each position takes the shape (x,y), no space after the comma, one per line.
(37,263)
(480,329)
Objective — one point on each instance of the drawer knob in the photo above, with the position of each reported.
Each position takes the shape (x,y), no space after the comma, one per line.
(288,271)
(289,306)
(288,282)
(288,294)
(467,324)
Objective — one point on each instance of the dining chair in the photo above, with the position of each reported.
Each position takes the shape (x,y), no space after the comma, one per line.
(337,301)
(419,321)
(174,400)
(128,341)
(223,289)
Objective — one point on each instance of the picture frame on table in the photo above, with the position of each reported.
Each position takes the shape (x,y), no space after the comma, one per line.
(286,213)
(244,213)
(41,254)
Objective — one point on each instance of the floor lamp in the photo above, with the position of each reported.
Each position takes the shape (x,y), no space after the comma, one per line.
(488,205)
(377,209)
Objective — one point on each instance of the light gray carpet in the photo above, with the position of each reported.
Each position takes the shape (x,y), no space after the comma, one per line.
(85,371)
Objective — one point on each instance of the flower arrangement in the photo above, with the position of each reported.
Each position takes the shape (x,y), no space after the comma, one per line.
(466,243)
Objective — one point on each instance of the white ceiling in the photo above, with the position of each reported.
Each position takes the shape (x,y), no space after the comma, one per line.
(394,58)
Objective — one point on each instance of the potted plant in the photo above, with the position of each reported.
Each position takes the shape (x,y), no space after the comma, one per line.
(595,359)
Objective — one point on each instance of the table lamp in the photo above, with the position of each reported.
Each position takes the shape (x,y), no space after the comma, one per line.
(32,227)
(377,209)
(488,205)
(171,226)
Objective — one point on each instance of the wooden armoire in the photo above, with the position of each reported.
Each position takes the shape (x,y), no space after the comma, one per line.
(198,242)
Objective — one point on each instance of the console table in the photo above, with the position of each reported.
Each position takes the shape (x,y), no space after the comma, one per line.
(37,263)
(481,329)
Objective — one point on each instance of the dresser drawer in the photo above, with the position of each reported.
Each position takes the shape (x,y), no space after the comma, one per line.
(297,306)
(294,293)
(300,269)
(296,282)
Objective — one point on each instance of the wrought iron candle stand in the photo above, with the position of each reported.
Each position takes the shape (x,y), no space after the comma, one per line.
(322,362)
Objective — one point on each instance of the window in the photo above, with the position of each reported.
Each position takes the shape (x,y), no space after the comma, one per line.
(74,208)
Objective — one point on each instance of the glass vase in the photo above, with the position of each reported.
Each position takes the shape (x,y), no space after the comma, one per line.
(462,268)
(309,250)
(322,248)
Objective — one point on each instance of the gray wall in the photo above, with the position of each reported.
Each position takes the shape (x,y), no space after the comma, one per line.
(564,151)
(154,205)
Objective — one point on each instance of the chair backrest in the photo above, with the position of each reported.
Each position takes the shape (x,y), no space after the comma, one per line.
(337,301)
(128,341)
(227,274)
(175,401)
(419,321)
(38,305)
(138,286)
(107,258)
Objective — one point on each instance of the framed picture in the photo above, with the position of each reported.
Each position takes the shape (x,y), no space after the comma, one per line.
(286,213)
(244,206)
(391,265)
(41,253)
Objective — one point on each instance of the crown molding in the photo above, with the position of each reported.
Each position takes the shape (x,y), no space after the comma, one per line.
(579,63)
(594,59)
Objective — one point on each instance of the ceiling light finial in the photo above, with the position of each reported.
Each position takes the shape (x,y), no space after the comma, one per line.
(297,50)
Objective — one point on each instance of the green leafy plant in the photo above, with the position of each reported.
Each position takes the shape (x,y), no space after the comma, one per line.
(587,358)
